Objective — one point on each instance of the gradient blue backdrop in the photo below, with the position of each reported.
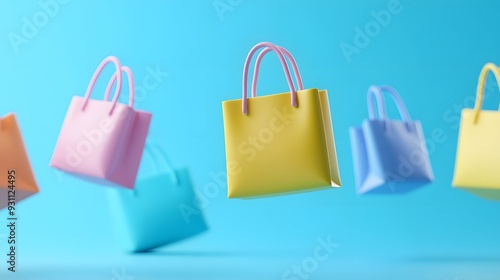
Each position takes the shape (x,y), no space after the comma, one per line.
(432,52)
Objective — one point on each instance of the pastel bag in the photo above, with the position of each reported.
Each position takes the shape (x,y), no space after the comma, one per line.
(159,211)
(100,140)
(478,150)
(17,181)
(281,143)
(389,156)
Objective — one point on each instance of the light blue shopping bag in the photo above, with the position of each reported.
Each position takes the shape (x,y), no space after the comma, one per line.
(159,211)
(390,156)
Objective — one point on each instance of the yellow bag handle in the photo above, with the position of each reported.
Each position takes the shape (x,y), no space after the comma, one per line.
(480,86)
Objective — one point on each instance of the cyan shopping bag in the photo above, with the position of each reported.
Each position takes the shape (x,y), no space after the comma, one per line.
(100,140)
(159,211)
(390,156)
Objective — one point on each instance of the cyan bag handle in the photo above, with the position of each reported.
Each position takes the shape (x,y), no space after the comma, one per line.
(97,73)
(131,84)
(480,86)
(160,158)
(293,93)
(378,91)
(290,58)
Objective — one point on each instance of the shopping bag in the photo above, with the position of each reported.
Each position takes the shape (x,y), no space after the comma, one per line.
(281,143)
(389,156)
(102,141)
(159,211)
(17,180)
(478,152)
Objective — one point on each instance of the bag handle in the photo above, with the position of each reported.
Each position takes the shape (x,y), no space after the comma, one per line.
(290,58)
(159,158)
(131,84)
(106,61)
(375,94)
(480,86)
(293,93)
(378,91)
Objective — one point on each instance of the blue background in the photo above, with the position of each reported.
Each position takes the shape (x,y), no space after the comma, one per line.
(432,52)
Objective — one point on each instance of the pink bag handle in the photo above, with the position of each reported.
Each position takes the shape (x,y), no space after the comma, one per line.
(293,93)
(109,59)
(290,58)
(131,85)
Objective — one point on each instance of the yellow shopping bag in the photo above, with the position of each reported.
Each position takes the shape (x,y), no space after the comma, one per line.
(281,143)
(17,181)
(478,151)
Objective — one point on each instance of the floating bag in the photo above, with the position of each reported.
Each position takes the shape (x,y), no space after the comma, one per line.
(102,141)
(281,143)
(159,211)
(389,156)
(478,152)
(15,170)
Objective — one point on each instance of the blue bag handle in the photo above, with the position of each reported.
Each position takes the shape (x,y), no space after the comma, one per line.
(374,93)
(160,158)
(378,93)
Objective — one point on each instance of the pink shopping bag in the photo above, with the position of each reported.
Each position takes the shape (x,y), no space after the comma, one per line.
(102,141)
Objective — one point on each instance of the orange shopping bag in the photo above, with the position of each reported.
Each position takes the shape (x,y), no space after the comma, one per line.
(17,181)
